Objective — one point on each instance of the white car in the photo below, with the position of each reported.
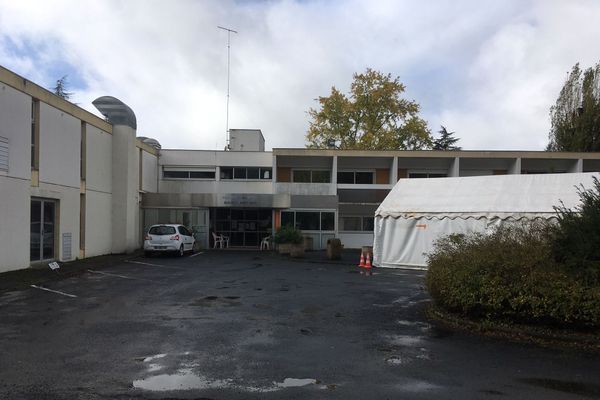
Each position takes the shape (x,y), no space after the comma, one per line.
(168,238)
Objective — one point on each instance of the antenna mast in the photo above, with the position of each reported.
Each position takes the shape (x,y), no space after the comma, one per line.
(228,63)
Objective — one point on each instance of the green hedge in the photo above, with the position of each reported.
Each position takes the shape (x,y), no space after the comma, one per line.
(511,274)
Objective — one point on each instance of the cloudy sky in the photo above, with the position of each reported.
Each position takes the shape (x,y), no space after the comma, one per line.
(487,69)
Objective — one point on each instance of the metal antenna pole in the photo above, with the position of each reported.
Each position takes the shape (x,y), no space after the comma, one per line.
(228,63)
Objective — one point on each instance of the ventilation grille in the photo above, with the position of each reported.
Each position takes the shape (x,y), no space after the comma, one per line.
(3,153)
(66,246)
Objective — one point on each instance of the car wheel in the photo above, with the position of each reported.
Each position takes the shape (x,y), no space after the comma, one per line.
(181,252)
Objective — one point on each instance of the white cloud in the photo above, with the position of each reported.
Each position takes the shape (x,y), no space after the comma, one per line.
(487,70)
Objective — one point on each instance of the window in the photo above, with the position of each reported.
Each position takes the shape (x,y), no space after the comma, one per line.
(357,223)
(180,174)
(427,175)
(356,177)
(246,173)
(308,176)
(162,230)
(184,231)
(301,176)
(309,220)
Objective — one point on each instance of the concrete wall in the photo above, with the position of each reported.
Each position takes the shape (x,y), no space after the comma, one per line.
(60,144)
(15,125)
(98,196)
(149,172)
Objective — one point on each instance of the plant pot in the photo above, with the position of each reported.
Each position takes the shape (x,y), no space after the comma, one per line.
(297,250)
(284,248)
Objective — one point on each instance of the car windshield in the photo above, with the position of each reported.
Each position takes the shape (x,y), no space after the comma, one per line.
(162,230)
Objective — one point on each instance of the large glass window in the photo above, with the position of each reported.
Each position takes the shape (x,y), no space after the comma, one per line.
(357,223)
(427,175)
(307,220)
(301,176)
(327,221)
(309,176)
(355,177)
(178,174)
(246,173)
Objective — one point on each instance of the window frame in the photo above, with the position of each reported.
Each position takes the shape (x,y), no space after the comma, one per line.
(311,175)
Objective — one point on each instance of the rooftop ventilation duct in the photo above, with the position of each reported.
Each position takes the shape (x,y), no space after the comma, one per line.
(115,111)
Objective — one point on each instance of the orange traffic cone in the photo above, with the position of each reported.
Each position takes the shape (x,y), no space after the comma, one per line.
(368,264)
(362,261)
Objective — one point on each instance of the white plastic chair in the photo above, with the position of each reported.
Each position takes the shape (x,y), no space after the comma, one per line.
(225,240)
(265,244)
(217,241)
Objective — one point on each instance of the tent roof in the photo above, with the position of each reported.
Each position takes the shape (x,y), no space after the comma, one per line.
(504,196)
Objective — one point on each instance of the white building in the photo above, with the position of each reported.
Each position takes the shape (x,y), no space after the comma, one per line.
(73,185)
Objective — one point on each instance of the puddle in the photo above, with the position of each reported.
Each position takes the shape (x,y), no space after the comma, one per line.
(232,297)
(185,379)
(418,386)
(398,360)
(211,297)
(579,388)
(295,382)
(404,340)
(154,357)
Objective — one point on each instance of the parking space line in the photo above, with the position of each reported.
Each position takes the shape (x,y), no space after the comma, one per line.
(196,254)
(53,291)
(154,265)
(120,276)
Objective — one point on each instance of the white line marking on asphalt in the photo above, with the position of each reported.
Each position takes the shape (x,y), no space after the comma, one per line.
(53,291)
(196,254)
(153,265)
(119,276)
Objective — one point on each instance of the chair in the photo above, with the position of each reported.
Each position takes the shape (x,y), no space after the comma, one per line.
(265,244)
(217,241)
(225,240)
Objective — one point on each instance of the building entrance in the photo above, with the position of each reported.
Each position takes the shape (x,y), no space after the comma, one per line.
(245,227)
(42,230)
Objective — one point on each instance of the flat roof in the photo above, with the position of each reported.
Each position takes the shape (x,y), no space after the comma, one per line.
(437,153)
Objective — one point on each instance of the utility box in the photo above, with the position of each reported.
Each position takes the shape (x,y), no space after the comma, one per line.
(246,140)
(334,249)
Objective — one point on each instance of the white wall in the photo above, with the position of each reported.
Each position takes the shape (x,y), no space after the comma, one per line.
(356,240)
(98,160)
(15,124)
(14,223)
(98,226)
(60,144)
(149,172)
(212,158)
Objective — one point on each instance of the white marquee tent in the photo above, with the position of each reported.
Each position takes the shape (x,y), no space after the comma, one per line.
(418,211)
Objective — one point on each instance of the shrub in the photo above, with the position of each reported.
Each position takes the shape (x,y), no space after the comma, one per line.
(510,274)
(288,234)
(576,238)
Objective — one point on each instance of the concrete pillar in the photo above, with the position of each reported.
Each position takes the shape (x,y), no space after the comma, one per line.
(334,168)
(515,168)
(577,166)
(454,169)
(394,174)
(125,200)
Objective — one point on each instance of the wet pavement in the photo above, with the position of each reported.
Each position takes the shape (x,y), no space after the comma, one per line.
(250,325)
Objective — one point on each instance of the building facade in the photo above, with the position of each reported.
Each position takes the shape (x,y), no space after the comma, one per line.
(73,185)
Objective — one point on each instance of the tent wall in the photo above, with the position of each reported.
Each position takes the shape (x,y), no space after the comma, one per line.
(403,242)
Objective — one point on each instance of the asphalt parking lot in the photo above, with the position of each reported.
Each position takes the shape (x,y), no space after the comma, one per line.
(250,325)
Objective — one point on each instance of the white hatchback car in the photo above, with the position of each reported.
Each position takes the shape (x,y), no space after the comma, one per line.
(168,238)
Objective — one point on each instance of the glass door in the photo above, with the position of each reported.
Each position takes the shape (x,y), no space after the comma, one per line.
(42,230)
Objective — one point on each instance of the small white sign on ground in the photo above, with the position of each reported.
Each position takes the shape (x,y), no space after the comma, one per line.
(54,265)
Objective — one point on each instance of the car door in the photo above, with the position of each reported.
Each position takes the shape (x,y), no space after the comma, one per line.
(186,237)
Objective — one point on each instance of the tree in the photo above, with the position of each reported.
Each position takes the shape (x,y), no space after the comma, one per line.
(373,116)
(445,141)
(575,118)
(61,88)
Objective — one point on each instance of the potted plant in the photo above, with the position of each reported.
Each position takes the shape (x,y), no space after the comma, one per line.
(289,241)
